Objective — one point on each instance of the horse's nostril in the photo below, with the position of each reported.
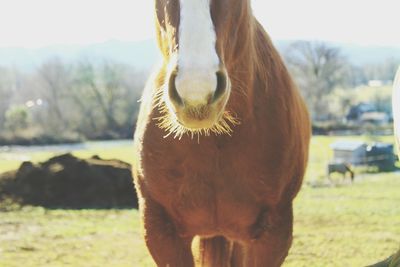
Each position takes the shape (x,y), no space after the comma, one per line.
(173,93)
(221,85)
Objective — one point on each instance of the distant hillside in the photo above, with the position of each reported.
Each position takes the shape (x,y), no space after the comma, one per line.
(358,54)
(144,54)
(370,54)
(139,54)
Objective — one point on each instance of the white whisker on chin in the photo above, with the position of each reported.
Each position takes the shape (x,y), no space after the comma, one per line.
(169,122)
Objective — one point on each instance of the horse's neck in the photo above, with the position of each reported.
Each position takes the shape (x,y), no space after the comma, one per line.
(259,68)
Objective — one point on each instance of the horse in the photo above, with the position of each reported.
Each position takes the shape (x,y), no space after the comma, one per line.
(394,260)
(221,141)
(396,108)
(342,168)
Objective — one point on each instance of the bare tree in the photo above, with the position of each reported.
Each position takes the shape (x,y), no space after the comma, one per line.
(86,99)
(12,90)
(107,92)
(384,71)
(54,81)
(6,92)
(318,69)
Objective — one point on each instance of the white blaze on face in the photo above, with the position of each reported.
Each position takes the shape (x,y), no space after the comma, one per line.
(198,61)
(396,106)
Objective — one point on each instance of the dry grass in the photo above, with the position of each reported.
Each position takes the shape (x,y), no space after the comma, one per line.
(344,225)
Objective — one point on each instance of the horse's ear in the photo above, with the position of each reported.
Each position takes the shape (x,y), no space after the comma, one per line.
(396,107)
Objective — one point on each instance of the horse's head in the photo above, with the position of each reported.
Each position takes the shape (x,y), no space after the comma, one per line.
(193,36)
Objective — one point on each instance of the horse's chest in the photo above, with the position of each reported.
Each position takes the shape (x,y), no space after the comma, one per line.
(184,179)
(203,188)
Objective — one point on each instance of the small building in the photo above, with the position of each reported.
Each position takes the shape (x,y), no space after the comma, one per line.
(376,83)
(356,153)
(350,152)
(378,118)
(357,111)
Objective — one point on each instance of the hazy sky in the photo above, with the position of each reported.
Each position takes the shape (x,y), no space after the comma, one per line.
(37,23)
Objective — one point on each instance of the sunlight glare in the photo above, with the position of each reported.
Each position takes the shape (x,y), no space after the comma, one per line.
(46,22)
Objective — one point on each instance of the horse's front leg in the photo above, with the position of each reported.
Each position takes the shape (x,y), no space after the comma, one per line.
(167,248)
(272,246)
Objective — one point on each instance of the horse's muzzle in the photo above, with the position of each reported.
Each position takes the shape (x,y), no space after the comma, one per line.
(198,106)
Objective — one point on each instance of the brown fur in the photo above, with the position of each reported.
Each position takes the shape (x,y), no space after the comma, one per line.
(233,191)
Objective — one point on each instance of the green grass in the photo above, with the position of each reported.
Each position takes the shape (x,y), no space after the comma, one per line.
(343,225)
(347,225)
(38,237)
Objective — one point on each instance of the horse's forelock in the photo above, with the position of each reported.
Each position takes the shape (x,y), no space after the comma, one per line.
(232,20)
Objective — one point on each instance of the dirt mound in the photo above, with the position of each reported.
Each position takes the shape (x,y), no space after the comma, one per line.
(69,182)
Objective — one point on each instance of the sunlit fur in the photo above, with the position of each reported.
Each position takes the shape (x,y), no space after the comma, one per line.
(231,191)
(168,121)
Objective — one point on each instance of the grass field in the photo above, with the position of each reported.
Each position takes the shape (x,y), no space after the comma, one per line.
(342,225)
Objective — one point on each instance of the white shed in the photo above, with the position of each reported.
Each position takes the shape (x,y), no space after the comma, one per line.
(351,152)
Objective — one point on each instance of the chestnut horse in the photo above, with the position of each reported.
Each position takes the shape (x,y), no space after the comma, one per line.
(221,143)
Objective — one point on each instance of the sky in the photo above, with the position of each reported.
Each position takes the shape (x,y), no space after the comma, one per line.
(39,23)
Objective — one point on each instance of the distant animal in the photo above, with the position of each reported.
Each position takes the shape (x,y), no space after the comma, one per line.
(221,143)
(342,168)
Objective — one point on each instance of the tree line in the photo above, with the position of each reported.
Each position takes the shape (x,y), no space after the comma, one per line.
(84,100)
(88,100)
(327,79)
